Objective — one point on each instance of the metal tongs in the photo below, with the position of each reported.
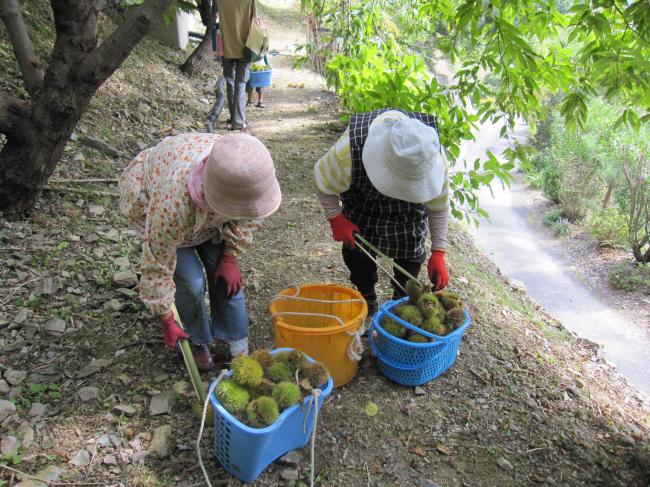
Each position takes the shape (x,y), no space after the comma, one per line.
(361,242)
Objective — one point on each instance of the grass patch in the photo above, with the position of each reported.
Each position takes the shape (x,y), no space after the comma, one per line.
(553,216)
(631,277)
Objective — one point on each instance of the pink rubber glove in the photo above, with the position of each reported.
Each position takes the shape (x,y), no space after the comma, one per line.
(171,331)
(343,229)
(229,271)
(437,270)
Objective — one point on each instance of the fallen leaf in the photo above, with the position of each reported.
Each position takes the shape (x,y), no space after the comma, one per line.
(445,450)
(418,451)
(371,409)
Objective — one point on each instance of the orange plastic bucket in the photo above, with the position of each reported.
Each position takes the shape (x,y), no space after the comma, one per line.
(322,320)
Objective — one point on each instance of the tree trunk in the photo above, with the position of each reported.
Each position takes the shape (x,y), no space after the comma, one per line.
(27,165)
(608,195)
(30,67)
(200,58)
(37,132)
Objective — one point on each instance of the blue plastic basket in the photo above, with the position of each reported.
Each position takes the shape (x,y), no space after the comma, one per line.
(260,79)
(244,452)
(409,363)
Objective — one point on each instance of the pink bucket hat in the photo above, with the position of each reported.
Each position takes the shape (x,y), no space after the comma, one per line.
(239,178)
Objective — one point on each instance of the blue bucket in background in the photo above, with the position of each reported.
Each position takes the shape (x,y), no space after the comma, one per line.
(409,363)
(260,79)
(244,452)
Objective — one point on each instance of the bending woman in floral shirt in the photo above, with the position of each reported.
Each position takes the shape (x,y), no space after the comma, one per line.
(195,200)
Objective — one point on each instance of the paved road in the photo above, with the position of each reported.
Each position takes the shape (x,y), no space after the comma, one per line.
(524,253)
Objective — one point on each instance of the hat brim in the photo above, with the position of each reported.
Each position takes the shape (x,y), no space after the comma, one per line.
(265,206)
(415,190)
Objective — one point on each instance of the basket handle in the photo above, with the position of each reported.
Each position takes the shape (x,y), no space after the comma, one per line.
(396,365)
(386,308)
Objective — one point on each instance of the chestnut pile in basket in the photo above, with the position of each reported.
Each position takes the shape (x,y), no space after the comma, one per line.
(438,312)
(263,384)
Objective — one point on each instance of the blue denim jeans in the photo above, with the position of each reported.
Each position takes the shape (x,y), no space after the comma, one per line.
(228,317)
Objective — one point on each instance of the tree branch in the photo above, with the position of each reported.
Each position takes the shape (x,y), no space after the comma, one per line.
(108,56)
(627,23)
(13,117)
(30,67)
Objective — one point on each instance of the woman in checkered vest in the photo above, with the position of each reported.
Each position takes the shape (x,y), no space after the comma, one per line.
(389,172)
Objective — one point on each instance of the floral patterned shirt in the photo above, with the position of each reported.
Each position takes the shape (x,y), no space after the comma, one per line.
(154,195)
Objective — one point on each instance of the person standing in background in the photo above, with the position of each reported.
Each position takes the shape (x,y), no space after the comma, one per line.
(260,89)
(234,21)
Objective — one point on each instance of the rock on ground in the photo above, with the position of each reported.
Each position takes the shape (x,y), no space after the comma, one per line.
(15,377)
(51,473)
(161,443)
(37,410)
(81,458)
(125,278)
(93,367)
(55,326)
(9,445)
(6,408)
(162,403)
(88,393)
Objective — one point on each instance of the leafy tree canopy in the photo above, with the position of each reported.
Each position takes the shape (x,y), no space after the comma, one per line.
(508,56)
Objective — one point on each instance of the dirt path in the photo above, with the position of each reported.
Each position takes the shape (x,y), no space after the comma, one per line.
(523,404)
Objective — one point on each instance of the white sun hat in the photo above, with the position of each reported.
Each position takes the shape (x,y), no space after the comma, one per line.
(403,159)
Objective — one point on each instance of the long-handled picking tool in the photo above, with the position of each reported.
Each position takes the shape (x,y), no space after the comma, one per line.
(190,364)
(363,243)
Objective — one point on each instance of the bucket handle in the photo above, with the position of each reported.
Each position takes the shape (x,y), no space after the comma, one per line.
(355,347)
(313,300)
(297,297)
(298,313)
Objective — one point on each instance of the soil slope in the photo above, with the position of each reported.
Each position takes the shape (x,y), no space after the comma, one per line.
(524,404)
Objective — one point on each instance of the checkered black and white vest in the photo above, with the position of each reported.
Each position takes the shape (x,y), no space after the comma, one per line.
(395,227)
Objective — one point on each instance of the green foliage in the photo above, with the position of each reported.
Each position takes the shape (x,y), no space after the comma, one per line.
(631,277)
(588,169)
(561,227)
(609,227)
(37,393)
(553,216)
(11,459)
(372,64)
(509,56)
(545,175)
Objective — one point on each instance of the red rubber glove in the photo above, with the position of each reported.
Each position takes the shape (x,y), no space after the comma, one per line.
(229,270)
(437,270)
(171,331)
(343,229)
